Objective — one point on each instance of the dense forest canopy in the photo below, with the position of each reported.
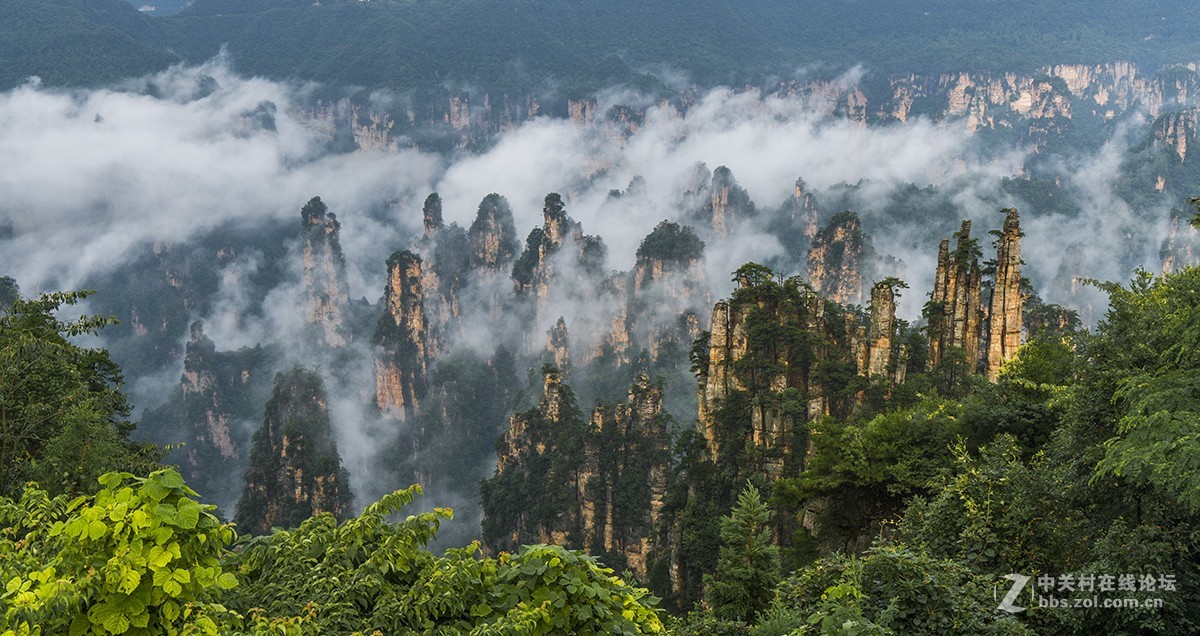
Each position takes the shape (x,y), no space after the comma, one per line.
(580,46)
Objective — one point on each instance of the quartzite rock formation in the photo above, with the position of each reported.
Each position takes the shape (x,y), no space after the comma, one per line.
(595,484)
(728,202)
(1004,319)
(835,259)
(882,329)
(402,361)
(295,471)
(324,273)
(955,308)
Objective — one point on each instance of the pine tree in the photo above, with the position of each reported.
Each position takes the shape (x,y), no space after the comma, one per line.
(748,564)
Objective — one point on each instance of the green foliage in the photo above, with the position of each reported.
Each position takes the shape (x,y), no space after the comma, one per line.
(894,283)
(547,590)
(408,45)
(893,589)
(704,623)
(452,439)
(10,292)
(866,470)
(66,42)
(369,573)
(1157,320)
(1000,513)
(141,556)
(748,565)
(1106,487)
(62,411)
(671,242)
(897,452)
(523,267)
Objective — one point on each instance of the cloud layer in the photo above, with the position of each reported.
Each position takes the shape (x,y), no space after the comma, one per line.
(89,177)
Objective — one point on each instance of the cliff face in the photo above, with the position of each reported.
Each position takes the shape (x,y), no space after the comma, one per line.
(728,202)
(669,291)
(211,444)
(558,347)
(538,491)
(1004,319)
(955,309)
(881,330)
(218,391)
(558,253)
(778,358)
(835,259)
(401,363)
(628,465)
(324,273)
(595,484)
(956,313)
(445,252)
(1177,132)
(431,215)
(1016,101)
(1030,104)
(1181,248)
(493,235)
(295,471)
(559,266)
(615,342)
(457,120)
(740,371)
(802,210)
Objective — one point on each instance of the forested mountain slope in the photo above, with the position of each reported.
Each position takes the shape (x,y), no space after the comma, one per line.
(584,45)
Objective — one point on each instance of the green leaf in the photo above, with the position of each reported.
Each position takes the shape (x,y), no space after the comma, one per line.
(110,616)
(80,625)
(129,581)
(189,515)
(154,490)
(227,581)
(110,480)
(171,479)
(166,512)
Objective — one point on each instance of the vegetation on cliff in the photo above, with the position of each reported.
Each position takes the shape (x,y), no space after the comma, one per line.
(1072,463)
(295,471)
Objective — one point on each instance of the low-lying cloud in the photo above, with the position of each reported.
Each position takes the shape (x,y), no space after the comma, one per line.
(89,176)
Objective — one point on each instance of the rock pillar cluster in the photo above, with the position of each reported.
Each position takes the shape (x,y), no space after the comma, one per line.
(955,309)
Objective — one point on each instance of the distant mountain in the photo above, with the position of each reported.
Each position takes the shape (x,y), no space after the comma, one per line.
(160,7)
(579,45)
(78,42)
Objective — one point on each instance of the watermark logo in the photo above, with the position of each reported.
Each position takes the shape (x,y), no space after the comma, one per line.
(1008,604)
(1110,591)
